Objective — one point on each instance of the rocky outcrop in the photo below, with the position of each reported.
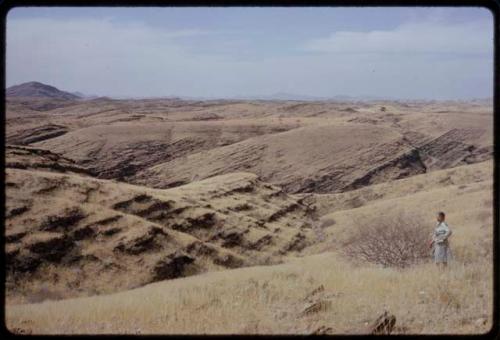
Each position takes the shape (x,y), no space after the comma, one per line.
(36,134)
(453,148)
(24,157)
(384,324)
(171,267)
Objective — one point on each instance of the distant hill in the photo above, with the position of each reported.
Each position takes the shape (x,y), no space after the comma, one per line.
(300,97)
(39,90)
(86,96)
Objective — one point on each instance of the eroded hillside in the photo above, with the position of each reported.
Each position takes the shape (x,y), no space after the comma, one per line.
(302,146)
(63,230)
(314,294)
(105,196)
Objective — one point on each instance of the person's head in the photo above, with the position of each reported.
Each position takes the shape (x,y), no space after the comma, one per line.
(440,216)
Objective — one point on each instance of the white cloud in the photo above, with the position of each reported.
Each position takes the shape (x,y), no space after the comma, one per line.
(416,60)
(93,53)
(416,37)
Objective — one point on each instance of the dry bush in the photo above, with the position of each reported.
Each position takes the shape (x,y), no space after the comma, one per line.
(397,240)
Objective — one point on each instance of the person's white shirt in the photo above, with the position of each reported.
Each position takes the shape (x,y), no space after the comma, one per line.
(442,232)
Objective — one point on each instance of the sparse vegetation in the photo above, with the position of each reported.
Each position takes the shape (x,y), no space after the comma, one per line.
(398,240)
(272,300)
(254,217)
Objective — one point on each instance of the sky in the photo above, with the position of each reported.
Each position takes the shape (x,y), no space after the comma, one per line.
(397,53)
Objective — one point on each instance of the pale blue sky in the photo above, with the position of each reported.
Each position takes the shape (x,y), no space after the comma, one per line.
(407,53)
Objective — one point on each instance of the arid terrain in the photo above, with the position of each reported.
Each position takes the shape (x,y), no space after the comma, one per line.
(172,216)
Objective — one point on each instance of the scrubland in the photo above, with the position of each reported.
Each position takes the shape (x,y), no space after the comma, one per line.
(232,217)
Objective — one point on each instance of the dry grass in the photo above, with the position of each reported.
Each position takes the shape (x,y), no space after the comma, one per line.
(270,300)
(285,144)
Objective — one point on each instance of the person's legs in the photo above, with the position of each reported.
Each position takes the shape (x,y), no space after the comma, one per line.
(441,265)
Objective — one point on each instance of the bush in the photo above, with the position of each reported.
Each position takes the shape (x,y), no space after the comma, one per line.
(392,241)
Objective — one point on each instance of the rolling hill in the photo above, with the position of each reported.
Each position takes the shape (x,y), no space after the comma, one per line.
(162,215)
(65,229)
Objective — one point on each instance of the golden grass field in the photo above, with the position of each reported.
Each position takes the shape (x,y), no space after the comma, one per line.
(230,217)
(270,300)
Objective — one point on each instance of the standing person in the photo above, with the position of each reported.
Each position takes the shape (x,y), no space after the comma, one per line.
(442,253)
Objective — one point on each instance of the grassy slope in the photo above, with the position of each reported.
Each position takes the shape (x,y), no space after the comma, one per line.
(270,299)
(125,232)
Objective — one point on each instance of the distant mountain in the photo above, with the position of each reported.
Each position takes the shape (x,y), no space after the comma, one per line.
(79,94)
(300,97)
(38,90)
(293,96)
(85,96)
(279,96)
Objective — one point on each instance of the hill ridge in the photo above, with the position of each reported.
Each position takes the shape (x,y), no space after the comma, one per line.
(39,90)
